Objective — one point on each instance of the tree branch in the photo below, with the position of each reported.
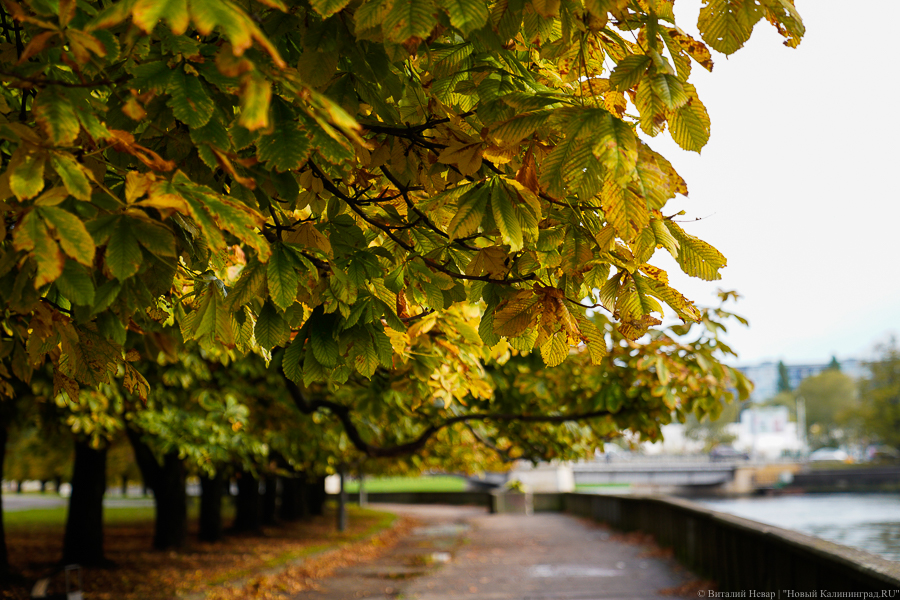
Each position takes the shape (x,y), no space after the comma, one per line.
(342,412)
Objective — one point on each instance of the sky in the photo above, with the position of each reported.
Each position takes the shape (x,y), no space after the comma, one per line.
(798,186)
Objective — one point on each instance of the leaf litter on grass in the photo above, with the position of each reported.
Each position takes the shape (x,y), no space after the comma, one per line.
(287,557)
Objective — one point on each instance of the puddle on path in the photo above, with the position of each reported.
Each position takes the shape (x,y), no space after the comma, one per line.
(570,571)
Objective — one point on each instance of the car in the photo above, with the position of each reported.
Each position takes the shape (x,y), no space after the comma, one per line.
(828,454)
(721,452)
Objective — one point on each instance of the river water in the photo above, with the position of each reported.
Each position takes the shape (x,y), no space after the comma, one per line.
(867,521)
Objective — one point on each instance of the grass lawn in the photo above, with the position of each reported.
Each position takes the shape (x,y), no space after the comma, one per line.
(428,483)
(56,516)
(593,487)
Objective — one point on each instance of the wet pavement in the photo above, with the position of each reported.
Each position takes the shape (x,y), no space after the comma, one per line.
(463,553)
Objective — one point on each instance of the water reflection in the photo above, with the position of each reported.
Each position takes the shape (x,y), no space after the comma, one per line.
(867,521)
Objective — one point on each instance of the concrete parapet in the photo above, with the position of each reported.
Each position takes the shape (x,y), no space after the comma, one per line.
(740,554)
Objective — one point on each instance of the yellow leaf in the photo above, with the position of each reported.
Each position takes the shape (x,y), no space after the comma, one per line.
(137,184)
(466,157)
(256,93)
(517,314)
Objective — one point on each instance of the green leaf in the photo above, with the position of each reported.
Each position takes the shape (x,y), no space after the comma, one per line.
(73,236)
(73,174)
(617,148)
(271,329)
(285,149)
(690,124)
(466,15)
(409,19)
(670,90)
(106,295)
(189,100)
(154,237)
(505,216)
(123,254)
(565,165)
(326,8)
(291,361)
(555,349)
(282,277)
(153,75)
(521,126)
(727,24)
(696,257)
(629,71)
(624,210)
(593,335)
(253,277)
(27,178)
(213,133)
(469,213)
(54,112)
(76,285)
(32,236)
(321,339)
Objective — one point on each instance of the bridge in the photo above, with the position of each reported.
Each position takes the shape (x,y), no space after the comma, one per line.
(664,473)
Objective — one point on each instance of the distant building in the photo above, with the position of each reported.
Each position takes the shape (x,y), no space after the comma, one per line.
(766,432)
(765,375)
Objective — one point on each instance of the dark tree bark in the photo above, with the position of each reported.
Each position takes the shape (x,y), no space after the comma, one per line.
(167,481)
(211,492)
(270,501)
(293,504)
(83,542)
(248,505)
(4,556)
(124,485)
(171,504)
(315,494)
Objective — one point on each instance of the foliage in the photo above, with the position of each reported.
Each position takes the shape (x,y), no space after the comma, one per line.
(713,432)
(880,397)
(784,381)
(322,177)
(830,398)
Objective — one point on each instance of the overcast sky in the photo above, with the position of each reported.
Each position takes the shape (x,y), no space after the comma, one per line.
(798,184)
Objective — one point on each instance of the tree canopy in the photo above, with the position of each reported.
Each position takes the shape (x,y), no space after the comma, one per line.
(402,187)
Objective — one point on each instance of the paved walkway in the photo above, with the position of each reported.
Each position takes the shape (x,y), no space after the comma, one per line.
(463,553)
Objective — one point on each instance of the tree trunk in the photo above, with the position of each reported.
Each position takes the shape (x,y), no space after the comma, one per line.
(19,486)
(124,486)
(270,501)
(342,502)
(315,494)
(169,496)
(83,542)
(248,505)
(292,505)
(4,556)
(211,492)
